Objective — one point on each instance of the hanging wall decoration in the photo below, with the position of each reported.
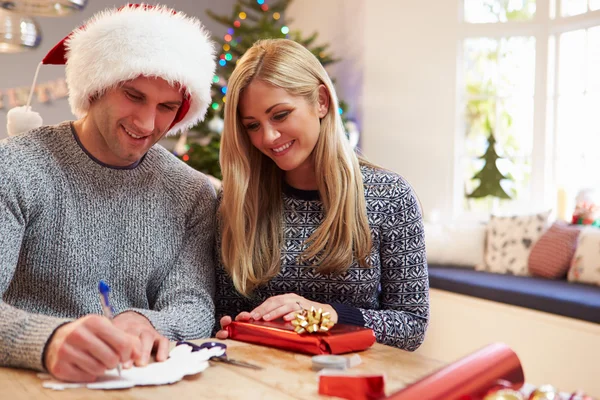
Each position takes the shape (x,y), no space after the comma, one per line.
(44,92)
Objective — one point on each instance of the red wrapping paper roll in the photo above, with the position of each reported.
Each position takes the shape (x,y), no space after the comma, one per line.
(469,378)
(280,334)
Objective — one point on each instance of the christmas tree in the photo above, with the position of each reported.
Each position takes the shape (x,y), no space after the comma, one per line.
(249,21)
(489,176)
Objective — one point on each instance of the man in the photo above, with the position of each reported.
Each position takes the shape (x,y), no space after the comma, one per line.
(96,199)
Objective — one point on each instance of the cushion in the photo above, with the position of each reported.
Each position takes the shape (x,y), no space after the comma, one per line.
(551,255)
(574,300)
(509,241)
(585,266)
(455,244)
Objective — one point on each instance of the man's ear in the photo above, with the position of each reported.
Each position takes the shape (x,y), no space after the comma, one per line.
(323,100)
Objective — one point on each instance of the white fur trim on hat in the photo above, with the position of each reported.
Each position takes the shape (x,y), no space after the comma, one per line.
(119,45)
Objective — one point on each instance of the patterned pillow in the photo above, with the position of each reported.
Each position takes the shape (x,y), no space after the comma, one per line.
(509,241)
(585,266)
(552,254)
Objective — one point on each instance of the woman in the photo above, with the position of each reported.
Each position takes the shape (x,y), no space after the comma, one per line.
(305,222)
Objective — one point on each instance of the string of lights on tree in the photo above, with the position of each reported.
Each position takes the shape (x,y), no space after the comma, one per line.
(250,20)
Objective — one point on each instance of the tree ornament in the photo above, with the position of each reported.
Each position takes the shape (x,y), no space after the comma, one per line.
(216,124)
(545,392)
(587,208)
(181,146)
(504,394)
(353,133)
(580,395)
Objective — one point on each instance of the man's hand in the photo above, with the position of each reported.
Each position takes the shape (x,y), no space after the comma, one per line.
(152,342)
(84,349)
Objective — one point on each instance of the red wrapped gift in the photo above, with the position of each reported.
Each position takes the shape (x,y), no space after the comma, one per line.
(370,387)
(339,339)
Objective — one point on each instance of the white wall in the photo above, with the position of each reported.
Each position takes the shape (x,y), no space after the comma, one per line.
(339,23)
(404,51)
(17,70)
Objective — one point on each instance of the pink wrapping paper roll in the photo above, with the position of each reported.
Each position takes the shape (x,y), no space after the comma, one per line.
(469,378)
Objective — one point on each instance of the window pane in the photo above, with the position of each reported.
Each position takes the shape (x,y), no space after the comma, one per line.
(571,62)
(573,7)
(516,66)
(514,135)
(578,138)
(552,10)
(593,60)
(500,67)
(515,127)
(594,5)
(519,170)
(500,76)
(551,67)
(480,63)
(476,140)
(489,11)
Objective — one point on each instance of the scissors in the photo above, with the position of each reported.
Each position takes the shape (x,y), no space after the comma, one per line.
(223,358)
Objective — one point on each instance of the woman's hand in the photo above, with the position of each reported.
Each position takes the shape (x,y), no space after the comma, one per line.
(226,320)
(286,306)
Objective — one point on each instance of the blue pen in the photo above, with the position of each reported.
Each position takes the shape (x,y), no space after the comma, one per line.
(107,309)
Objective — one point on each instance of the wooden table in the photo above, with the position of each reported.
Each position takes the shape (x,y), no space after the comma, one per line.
(285,375)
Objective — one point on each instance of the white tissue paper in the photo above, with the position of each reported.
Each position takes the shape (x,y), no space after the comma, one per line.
(181,362)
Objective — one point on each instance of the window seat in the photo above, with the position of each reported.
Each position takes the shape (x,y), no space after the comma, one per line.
(574,300)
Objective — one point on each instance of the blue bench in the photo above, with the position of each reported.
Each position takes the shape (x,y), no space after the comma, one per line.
(574,300)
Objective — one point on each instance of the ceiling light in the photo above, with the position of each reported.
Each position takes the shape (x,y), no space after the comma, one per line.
(18,33)
(44,8)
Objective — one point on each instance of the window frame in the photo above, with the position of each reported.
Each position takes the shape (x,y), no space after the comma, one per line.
(543,157)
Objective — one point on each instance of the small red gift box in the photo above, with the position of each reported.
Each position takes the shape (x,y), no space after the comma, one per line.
(367,387)
(339,339)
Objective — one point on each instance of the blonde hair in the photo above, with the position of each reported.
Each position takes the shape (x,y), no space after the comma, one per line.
(251,209)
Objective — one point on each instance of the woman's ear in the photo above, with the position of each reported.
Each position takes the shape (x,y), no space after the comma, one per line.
(323,101)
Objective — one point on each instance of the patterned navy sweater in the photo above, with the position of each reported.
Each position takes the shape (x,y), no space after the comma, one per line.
(391,296)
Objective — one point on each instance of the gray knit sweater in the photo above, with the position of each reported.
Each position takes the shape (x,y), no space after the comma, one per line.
(67,221)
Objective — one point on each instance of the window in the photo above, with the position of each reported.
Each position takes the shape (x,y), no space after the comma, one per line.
(529,83)
(499,78)
(489,11)
(577,104)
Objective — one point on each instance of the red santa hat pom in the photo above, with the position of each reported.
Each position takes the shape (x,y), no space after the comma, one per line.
(22,119)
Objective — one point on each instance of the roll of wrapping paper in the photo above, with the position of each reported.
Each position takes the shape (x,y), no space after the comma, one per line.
(469,378)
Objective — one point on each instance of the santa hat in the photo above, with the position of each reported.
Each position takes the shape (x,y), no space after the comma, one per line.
(121,44)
